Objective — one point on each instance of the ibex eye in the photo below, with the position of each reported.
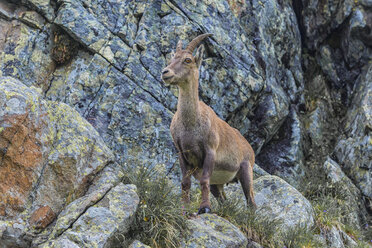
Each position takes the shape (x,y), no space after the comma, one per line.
(188,61)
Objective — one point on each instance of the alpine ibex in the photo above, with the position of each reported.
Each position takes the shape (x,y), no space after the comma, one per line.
(209,149)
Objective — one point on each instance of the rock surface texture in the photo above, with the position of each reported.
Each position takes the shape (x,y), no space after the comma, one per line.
(49,157)
(98,225)
(210,230)
(279,202)
(80,94)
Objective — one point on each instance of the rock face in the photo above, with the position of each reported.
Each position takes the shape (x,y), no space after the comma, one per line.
(210,230)
(100,58)
(119,59)
(278,201)
(353,151)
(284,155)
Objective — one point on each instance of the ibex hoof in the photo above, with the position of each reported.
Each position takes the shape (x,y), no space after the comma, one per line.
(204,210)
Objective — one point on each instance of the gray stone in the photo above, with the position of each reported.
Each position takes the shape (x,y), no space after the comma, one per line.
(209,230)
(259,172)
(338,239)
(43,6)
(85,28)
(316,124)
(99,224)
(278,201)
(138,244)
(12,234)
(62,243)
(5,11)
(320,18)
(367,3)
(25,44)
(76,208)
(334,239)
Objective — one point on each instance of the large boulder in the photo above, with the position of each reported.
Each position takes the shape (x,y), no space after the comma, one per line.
(210,230)
(49,156)
(96,220)
(279,202)
(56,152)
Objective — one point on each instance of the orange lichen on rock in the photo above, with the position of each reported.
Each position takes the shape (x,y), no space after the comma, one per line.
(20,157)
(42,217)
(237,6)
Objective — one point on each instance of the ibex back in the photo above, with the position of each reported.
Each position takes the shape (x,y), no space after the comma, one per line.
(209,149)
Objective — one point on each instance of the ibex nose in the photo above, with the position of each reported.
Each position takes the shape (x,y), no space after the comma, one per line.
(165,71)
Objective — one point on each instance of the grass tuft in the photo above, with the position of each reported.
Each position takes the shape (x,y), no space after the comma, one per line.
(332,206)
(262,230)
(159,220)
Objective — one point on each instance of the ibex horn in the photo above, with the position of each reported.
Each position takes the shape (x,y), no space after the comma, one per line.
(196,41)
(179,46)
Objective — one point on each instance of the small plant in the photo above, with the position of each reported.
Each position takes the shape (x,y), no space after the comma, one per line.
(328,200)
(160,219)
(300,236)
(63,47)
(259,230)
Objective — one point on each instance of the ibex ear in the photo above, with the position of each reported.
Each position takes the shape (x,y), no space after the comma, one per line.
(169,57)
(199,55)
(172,54)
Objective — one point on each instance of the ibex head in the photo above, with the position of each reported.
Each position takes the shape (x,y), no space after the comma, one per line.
(183,63)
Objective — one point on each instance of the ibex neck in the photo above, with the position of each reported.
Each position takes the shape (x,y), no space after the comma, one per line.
(188,103)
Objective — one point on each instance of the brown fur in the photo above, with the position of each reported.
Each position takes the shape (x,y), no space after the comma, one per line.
(209,149)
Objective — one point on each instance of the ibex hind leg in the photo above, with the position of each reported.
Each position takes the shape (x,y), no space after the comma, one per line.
(218,192)
(246,180)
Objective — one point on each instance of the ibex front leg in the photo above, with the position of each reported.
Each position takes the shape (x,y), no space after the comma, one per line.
(186,180)
(208,165)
